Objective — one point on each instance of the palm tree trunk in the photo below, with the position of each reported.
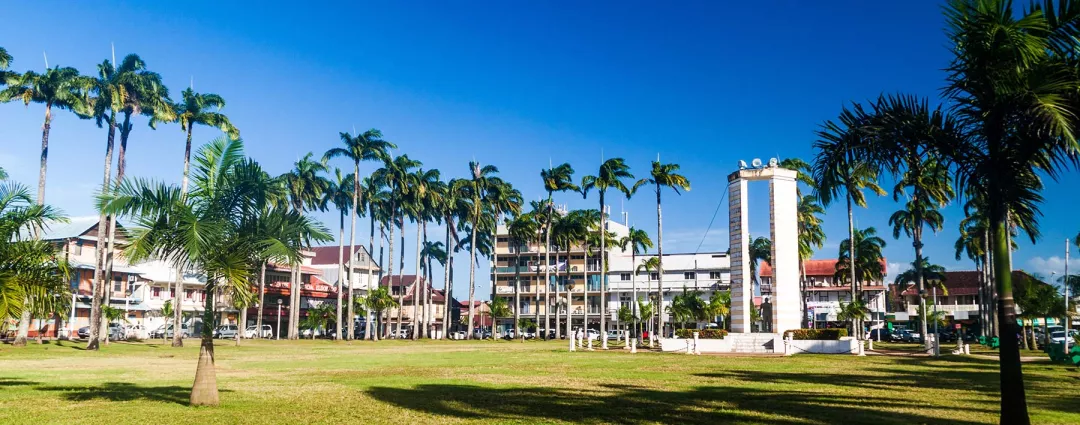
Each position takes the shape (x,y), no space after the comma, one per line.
(242,325)
(1013,399)
(547,272)
(919,277)
(204,391)
(352,249)
(851,269)
(472,267)
(517,287)
(401,276)
(24,321)
(178,286)
(98,289)
(187,160)
(425,293)
(558,296)
(417,286)
(603,274)
(494,269)
(370,273)
(633,285)
(121,166)
(390,271)
(341,275)
(379,318)
(262,301)
(448,298)
(660,259)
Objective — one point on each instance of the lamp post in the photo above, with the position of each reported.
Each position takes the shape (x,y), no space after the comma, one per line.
(277,331)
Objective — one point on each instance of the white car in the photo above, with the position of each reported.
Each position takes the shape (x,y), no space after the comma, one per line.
(458,335)
(593,334)
(117,332)
(267,332)
(1058,337)
(137,331)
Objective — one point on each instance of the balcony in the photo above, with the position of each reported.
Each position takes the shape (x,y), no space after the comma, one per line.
(948,309)
(504,290)
(522,269)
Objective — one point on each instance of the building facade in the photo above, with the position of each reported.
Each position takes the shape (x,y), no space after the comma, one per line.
(707,272)
(823,293)
(406,287)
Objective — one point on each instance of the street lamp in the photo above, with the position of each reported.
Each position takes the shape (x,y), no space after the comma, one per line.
(277,332)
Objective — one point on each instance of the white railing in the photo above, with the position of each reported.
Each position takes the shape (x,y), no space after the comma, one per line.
(948,308)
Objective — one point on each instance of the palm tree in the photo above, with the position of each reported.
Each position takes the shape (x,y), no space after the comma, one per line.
(431,251)
(211,235)
(31,272)
(842,167)
(649,265)
(1014,96)
(522,230)
(719,306)
(60,88)
(319,318)
(167,312)
(853,312)
(760,250)
(502,200)
(811,238)
(198,109)
(454,207)
(687,306)
(375,201)
(867,264)
(339,193)
(558,179)
(638,242)
(610,176)
(664,175)
(5,58)
(419,204)
(366,146)
(498,308)
(646,310)
(305,186)
(477,189)
(394,175)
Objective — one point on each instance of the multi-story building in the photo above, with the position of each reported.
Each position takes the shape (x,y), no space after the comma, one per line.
(360,267)
(824,293)
(77,241)
(706,272)
(435,311)
(960,299)
(573,283)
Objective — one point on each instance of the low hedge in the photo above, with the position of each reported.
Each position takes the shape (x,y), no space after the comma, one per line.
(702,333)
(819,334)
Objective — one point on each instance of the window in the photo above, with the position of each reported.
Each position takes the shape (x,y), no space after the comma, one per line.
(689,275)
(75,280)
(654,276)
(188,293)
(77,248)
(577,257)
(823,296)
(714,275)
(118,284)
(624,276)
(502,239)
(156,292)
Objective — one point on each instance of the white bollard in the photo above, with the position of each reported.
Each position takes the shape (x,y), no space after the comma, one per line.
(633,345)
(787,344)
(697,349)
(590,341)
(967,349)
(859,351)
(626,337)
(572,338)
(871,342)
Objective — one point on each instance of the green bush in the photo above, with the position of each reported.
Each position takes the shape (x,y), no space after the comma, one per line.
(702,333)
(819,334)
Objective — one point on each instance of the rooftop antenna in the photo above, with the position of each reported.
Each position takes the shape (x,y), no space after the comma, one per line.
(46,59)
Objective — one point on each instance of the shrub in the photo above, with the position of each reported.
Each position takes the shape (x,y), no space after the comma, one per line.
(702,333)
(818,334)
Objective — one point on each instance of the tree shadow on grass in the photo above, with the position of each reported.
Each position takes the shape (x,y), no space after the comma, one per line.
(15,382)
(123,391)
(638,405)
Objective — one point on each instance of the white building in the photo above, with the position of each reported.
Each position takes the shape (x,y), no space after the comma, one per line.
(707,272)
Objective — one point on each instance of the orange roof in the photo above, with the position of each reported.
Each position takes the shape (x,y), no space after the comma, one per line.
(813,268)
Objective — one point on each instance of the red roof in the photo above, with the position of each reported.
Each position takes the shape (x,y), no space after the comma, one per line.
(409,279)
(329,254)
(286,268)
(813,268)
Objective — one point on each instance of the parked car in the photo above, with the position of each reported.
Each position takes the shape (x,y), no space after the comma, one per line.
(592,335)
(458,335)
(1058,337)
(307,333)
(251,332)
(167,332)
(881,335)
(84,332)
(136,331)
(359,332)
(225,331)
(117,332)
(614,335)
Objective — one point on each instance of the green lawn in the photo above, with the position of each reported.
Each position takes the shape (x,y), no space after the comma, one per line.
(409,383)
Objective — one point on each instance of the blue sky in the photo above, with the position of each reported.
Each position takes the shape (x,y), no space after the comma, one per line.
(702,84)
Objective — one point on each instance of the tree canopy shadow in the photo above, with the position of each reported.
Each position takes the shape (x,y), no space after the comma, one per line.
(123,391)
(639,405)
(16,382)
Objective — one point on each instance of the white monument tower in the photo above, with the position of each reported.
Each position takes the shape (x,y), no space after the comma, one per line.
(784,232)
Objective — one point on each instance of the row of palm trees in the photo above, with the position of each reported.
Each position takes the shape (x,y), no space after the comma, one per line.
(117,94)
(1008,117)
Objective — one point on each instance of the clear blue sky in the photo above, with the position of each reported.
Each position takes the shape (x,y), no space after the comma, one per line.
(514,84)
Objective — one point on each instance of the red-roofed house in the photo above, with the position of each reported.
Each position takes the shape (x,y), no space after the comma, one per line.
(434,312)
(824,293)
(960,299)
(362,267)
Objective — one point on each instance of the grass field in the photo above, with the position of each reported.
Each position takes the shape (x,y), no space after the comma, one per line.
(507,382)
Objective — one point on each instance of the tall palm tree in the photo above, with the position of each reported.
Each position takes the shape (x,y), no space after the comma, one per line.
(811,238)
(587,222)
(198,109)
(394,175)
(649,265)
(638,242)
(339,194)
(760,250)
(432,251)
(375,200)
(5,58)
(502,199)
(60,88)
(305,186)
(842,168)
(477,189)
(454,208)
(366,146)
(868,256)
(1015,97)
(557,179)
(664,175)
(610,176)
(211,235)
(419,202)
(522,230)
